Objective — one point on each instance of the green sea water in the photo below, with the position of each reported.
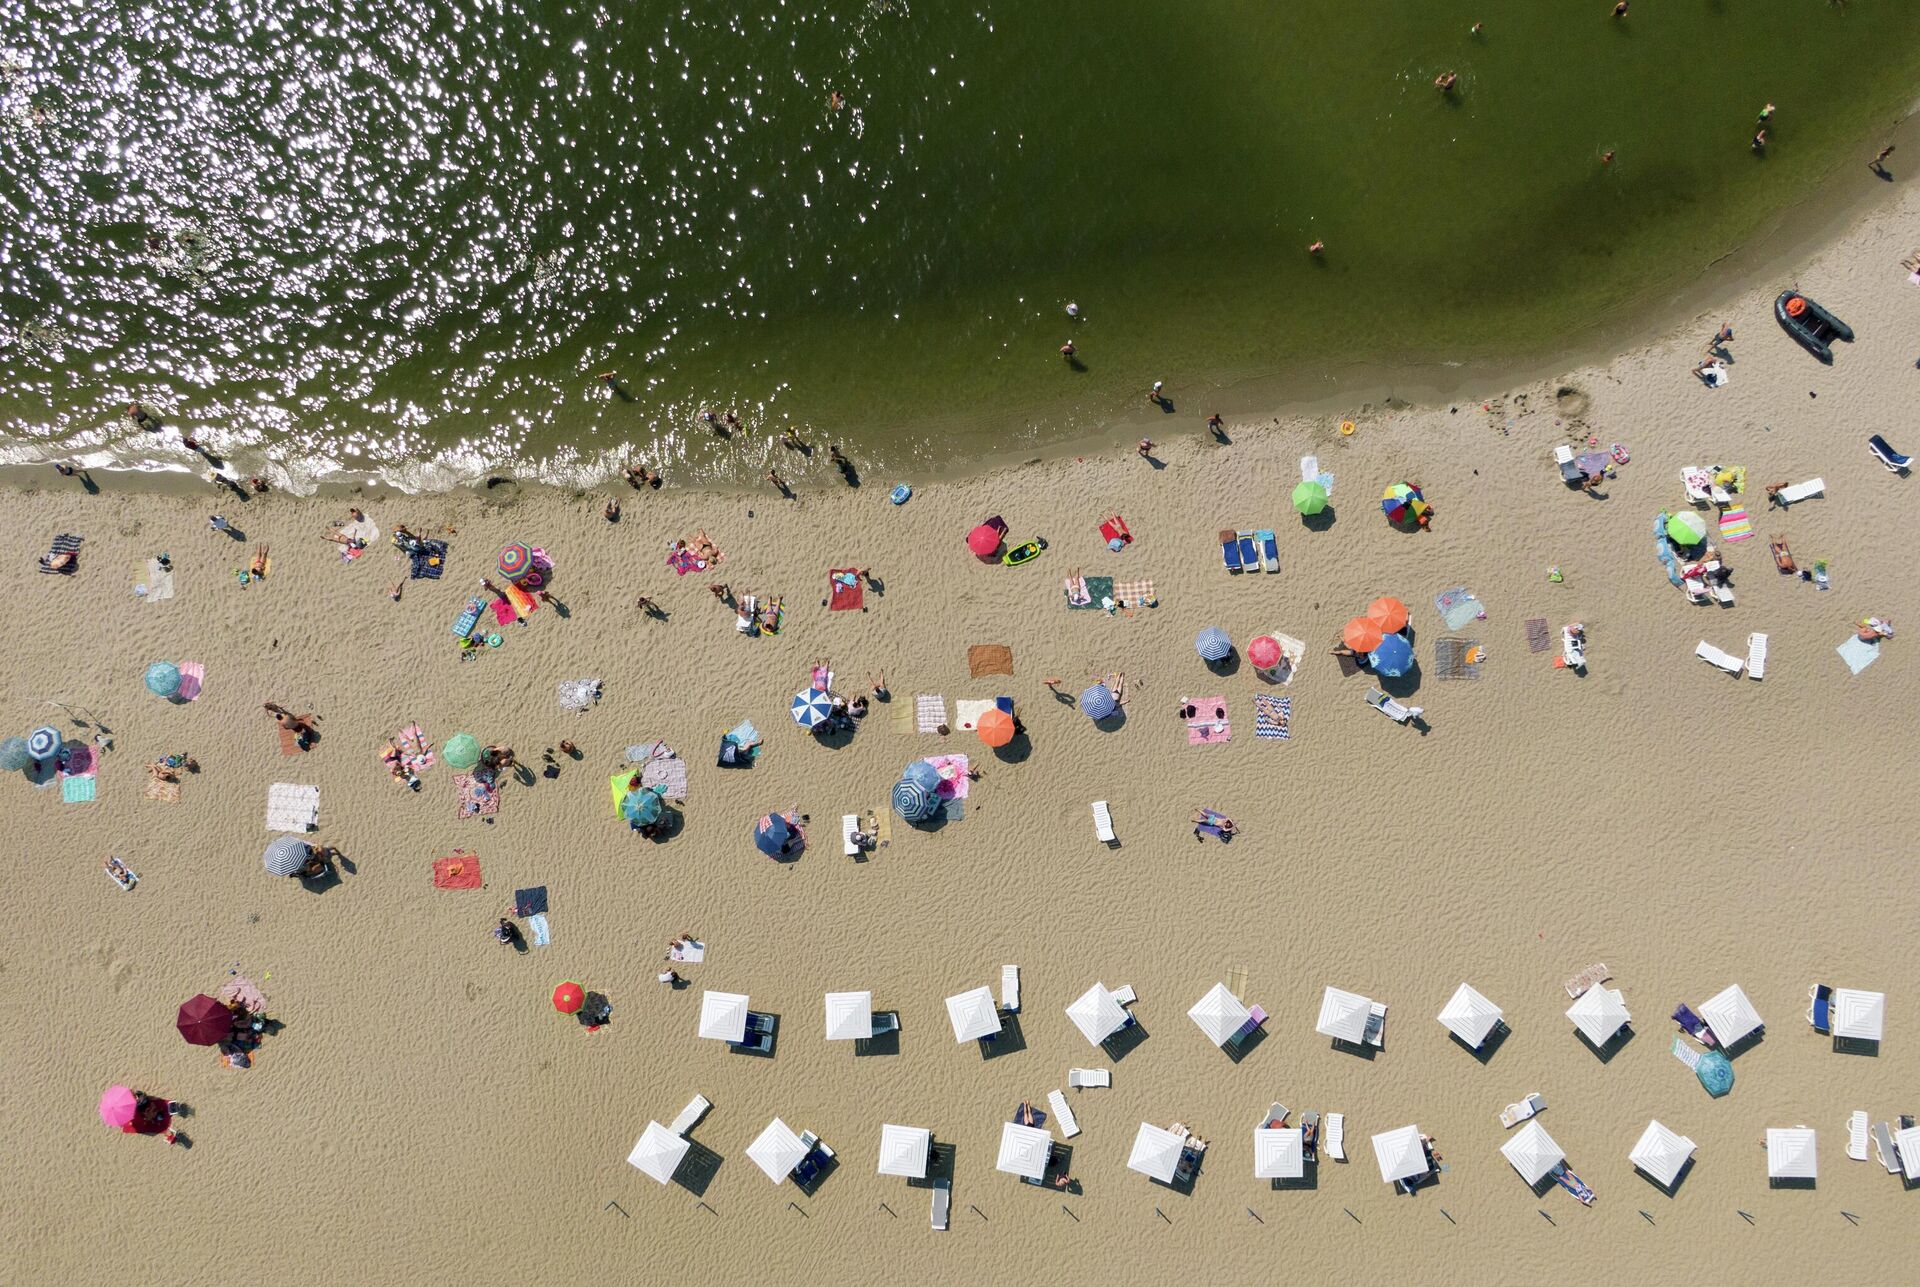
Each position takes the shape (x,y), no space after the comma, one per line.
(405,238)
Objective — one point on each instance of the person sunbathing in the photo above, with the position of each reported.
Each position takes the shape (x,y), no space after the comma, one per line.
(60,562)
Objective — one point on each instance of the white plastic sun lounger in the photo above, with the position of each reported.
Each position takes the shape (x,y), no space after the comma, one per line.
(1125,994)
(1010,988)
(1722,593)
(1800,491)
(1103,825)
(1857,1135)
(942,1203)
(1563,457)
(849,823)
(1714,657)
(690,1115)
(1376,1032)
(1334,1142)
(1698,482)
(1083,1078)
(1757,656)
(1883,1147)
(1393,710)
(1696,588)
(1514,1114)
(1062,1115)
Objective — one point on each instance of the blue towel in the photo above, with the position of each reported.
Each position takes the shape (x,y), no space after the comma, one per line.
(530,902)
(1249,552)
(1230,552)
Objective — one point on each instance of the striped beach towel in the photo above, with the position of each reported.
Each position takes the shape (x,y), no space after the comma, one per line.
(1735,525)
(1536,634)
(930,712)
(1273,716)
(78,789)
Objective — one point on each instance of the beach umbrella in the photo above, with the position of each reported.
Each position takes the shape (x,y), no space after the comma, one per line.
(118,1106)
(1097,1013)
(1660,1154)
(1388,613)
(1730,1015)
(1278,1153)
(778,835)
(1686,528)
(1398,500)
(1098,702)
(1715,1072)
(163,679)
(1361,634)
(516,560)
(569,997)
(643,807)
(1309,497)
(1532,1152)
(204,1021)
(995,727)
(923,775)
(44,742)
(1156,1152)
(973,1015)
(659,1152)
(1212,644)
(461,752)
(1906,1142)
(723,1016)
(812,707)
(777,1151)
(849,1016)
(984,540)
(914,802)
(1790,1153)
(1469,1015)
(904,1149)
(1343,1016)
(1024,1150)
(1400,1154)
(1599,1013)
(14,755)
(286,855)
(1220,1014)
(1264,652)
(1859,1016)
(1392,656)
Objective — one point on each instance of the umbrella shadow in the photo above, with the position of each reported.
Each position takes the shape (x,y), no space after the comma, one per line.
(1358,1049)
(1679,1178)
(940,1166)
(834,734)
(1017,751)
(1226,666)
(1308,1181)
(880,1045)
(1321,522)
(772,1036)
(1615,1044)
(1790,1182)
(41,772)
(1239,1050)
(1483,1053)
(1743,1045)
(823,1167)
(697,1169)
(1860,1046)
(1114,722)
(1124,1042)
(1008,1041)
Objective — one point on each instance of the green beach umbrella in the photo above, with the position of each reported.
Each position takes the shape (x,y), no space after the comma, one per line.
(1309,497)
(1686,528)
(461,752)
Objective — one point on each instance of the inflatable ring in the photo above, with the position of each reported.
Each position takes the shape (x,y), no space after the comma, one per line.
(494,640)
(1346,428)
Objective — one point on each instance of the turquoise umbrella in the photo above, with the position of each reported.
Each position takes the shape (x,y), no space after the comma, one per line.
(643,807)
(163,679)
(1715,1072)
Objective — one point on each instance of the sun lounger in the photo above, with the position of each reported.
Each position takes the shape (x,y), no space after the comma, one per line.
(1799,491)
(690,1115)
(1269,551)
(1563,457)
(1698,482)
(1010,988)
(1694,1026)
(1310,1135)
(1724,660)
(1819,1001)
(1085,1078)
(1249,551)
(1514,1114)
(1722,593)
(1062,1115)
(1857,1135)
(1255,1017)
(1376,1032)
(121,874)
(1336,1139)
(1572,1183)
(1696,588)
(1125,994)
(1393,710)
(1593,974)
(849,823)
(1886,455)
(1230,549)
(1757,656)
(1103,825)
(1884,1149)
(942,1203)
(1276,1117)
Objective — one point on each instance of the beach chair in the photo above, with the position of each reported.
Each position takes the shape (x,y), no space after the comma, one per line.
(1572,1183)
(1276,1116)
(1010,988)
(1593,974)
(1269,552)
(1883,1148)
(849,823)
(1722,593)
(1857,1135)
(1255,1017)
(1696,588)
(1694,1026)
(1393,710)
(942,1203)
(1699,484)
(1376,1033)
(1798,492)
(1514,1114)
(1757,656)
(1249,551)
(1819,1007)
(1336,1139)
(1062,1115)
(1125,994)
(1230,549)
(1310,1135)
(690,1115)
(1085,1078)
(1103,825)
(1563,457)
(1714,657)
(1886,455)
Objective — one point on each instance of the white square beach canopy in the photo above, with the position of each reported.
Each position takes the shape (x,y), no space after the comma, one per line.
(659,1152)
(849,1016)
(1400,1154)
(1908,1142)
(723,1016)
(973,1014)
(903,1150)
(1097,1013)
(1599,1013)
(777,1151)
(1156,1152)
(1660,1153)
(1024,1150)
(1343,1016)
(1532,1152)
(1219,1014)
(1277,1153)
(1790,1153)
(1469,1016)
(1730,1015)
(1859,1016)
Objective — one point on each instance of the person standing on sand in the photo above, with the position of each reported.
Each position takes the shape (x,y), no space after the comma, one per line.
(1146,449)
(1879,163)
(1721,337)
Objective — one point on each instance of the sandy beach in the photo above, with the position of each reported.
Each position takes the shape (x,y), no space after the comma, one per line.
(425,1115)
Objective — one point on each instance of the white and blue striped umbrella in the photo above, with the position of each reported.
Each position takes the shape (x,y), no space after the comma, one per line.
(44,742)
(912,801)
(1213,644)
(812,707)
(1098,702)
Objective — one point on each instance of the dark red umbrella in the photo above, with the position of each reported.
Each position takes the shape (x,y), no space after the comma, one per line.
(205,1021)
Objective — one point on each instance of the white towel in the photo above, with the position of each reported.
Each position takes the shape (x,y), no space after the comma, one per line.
(967,712)
(930,712)
(541,933)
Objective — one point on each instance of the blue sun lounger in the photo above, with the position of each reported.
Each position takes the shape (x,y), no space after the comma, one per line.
(1249,552)
(1269,552)
(1820,1016)
(1230,550)
(1884,453)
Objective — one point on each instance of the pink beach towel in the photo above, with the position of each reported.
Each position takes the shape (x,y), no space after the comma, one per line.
(953,776)
(1208,723)
(192,676)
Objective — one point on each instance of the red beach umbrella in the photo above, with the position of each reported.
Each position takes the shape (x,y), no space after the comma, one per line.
(204,1021)
(569,997)
(984,540)
(1362,634)
(1264,652)
(1389,614)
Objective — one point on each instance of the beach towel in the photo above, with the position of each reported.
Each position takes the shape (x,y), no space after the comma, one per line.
(690,950)
(845,590)
(531,901)
(476,798)
(162,791)
(1859,653)
(989,659)
(617,786)
(1537,634)
(683,561)
(121,874)
(65,543)
(78,789)
(1209,721)
(1457,658)
(660,766)
(1211,824)
(1273,716)
(1292,653)
(577,694)
(159,582)
(503,613)
(292,808)
(1349,666)
(930,712)
(415,753)
(1735,525)
(1458,606)
(1686,1054)
(244,990)
(290,741)
(772,616)
(538,931)
(459,870)
(967,712)
(1078,595)
(469,618)
(953,776)
(193,676)
(428,561)
(1134,593)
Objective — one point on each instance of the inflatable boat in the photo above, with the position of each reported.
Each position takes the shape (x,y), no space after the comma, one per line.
(1811,324)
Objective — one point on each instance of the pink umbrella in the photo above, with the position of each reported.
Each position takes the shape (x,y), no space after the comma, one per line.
(984,540)
(1264,652)
(117,1107)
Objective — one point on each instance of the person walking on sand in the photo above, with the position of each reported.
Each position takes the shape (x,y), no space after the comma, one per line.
(647,606)
(1146,449)
(720,590)
(1216,426)
(1879,163)
(779,483)
(1721,337)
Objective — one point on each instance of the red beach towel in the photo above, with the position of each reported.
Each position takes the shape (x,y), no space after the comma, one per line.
(848,593)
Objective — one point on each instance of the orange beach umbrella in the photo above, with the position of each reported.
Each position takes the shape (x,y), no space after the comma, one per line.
(1389,614)
(1362,634)
(995,728)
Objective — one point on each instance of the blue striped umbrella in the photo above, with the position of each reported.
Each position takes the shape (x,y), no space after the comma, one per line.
(286,855)
(1098,702)
(812,707)
(1393,658)
(44,742)
(1213,644)
(912,801)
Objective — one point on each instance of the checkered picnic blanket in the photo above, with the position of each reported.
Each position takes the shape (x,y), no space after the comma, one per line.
(930,712)
(1272,716)
(1132,594)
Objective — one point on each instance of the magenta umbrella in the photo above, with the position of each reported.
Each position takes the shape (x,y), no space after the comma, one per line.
(117,1106)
